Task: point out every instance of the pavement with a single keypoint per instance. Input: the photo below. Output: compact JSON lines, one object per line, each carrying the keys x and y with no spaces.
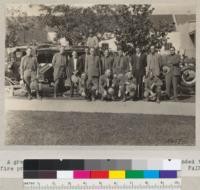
{"x":138,"y":107}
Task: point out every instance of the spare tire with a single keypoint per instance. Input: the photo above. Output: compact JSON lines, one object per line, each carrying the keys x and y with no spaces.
{"x":188,"y":76}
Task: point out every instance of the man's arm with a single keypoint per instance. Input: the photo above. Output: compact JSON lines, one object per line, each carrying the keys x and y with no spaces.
{"x":176,"y":61}
{"x":148,"y":65}
{"x":22,"y":68}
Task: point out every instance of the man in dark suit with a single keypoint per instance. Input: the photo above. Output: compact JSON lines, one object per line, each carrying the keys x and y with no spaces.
{"x":138,"y":64}
{"x":172,"y":77}
{"x":93,"y":71}
{"x":106,"y":61}
{"x":76,"y":68}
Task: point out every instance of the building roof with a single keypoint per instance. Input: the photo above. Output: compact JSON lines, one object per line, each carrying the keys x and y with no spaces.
{"x":181,"y":19}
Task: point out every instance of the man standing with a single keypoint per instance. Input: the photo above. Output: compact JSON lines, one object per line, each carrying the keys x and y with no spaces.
{"x":153,"y":62}
{"x":138,"y":65}
{"x":106,"y":61}
{"x":76,"y":69}
{"x":29,"y":72}
{"x":59,"y":63}
{"x":93,"y":71}
{"x":120,"y":64}
{"x":92,"y":41}
{"x":172,"y":77}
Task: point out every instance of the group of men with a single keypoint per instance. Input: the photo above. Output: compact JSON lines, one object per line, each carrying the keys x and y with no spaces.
{"x":109,"y":77}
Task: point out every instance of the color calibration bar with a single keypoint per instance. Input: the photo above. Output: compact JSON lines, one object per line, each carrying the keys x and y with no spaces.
{"x":111,"y":174}
{"x":102,"y":184}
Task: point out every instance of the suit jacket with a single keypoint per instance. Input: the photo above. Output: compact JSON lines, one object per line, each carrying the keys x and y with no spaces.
{"x":59,"y":63}
{"x":138,"y":70}
{"x":92,"y":66}
{"x":120,"y":65}
{"x":79,"y":66}
{"x":106,"y":63}
{"x":173,"y":61}
{"x":154,"y":63}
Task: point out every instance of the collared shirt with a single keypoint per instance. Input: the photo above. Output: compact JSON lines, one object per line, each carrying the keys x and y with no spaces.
{"x":75,"y":63}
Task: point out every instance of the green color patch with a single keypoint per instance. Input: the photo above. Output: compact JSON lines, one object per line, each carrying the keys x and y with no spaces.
{"x":134,"y":174}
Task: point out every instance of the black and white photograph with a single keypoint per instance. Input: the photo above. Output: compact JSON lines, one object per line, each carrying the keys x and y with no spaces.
{"x":100,"y":74}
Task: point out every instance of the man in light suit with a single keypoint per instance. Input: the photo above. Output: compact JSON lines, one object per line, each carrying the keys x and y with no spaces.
{"x":76,"y":68}
{"x":93,"y":71}
{"x":172,"y":77}
{"x":153,"y":62}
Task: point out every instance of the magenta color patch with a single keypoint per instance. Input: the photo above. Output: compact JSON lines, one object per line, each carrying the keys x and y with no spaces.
{"x":80,"y":174}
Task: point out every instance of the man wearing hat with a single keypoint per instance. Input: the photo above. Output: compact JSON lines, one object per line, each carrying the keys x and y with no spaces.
{"x":92,"y":41}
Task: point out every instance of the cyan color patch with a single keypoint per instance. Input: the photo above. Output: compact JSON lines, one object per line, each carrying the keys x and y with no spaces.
{"x":151,"y":174}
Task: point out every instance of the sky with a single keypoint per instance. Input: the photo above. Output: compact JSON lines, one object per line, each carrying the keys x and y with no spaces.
{"x":159,"y":8}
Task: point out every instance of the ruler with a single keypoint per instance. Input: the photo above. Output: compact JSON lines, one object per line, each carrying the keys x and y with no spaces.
{"x":103,"y":184}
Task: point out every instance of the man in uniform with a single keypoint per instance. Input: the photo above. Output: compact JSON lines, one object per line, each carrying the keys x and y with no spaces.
{"x":93,"y":71}
{"x":106,"y":88}
{"x":29,"y":72}
{"x":61,"y":70}
{"x":172,"y":77}
{"x":152,"y":88}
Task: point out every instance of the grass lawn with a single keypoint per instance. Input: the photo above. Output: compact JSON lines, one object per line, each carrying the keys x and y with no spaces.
{"x":75,"y":128}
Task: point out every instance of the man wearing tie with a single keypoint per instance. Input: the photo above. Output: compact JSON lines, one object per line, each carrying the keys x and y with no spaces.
{"x":138,"y":64}
{"x":76,"y":68}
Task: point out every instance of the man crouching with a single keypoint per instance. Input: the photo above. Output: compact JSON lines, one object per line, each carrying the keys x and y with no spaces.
{"x":106,"y":87}
{"x":129,"y":87}
{"x":152,"y":88}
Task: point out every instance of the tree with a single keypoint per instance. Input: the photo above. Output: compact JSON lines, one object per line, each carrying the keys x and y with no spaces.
{"x":17,"y":22}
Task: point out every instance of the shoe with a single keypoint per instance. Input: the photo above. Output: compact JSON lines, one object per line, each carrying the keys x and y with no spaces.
{"x":158,"y":101}
{"x":29,"y":97}
{"x":38,"y":96}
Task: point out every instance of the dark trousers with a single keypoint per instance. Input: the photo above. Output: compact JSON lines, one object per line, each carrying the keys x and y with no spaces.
{"x":172,"y":82}
{"x":58,"y":86}
{"x":139,"y":84}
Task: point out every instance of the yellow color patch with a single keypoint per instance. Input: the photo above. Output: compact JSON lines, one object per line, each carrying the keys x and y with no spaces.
{"x":116,"y":174}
